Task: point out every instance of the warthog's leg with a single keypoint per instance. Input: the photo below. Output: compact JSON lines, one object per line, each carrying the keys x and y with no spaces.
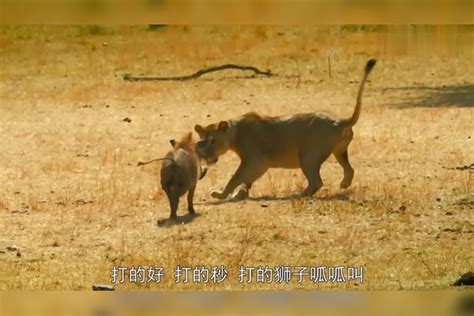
{"x":174,"y":201}
{"x":190,"y":200}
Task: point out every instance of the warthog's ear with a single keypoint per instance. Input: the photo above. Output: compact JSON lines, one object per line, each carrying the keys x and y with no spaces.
{"x":199,"y":129}
{"x":223,"y":126}
{"x":188,"y":138}
{"x":172,"y":142}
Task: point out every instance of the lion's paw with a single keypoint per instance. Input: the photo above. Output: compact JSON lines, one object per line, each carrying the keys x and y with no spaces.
{"x":218,"y":194}
{"x":241,"y":194}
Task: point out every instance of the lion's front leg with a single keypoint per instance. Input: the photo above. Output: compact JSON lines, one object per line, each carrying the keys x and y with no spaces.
{"x":241,"y":194}
{"x":246,"y":174}
{"x":217,"y":194}
{"x":234,"y":182}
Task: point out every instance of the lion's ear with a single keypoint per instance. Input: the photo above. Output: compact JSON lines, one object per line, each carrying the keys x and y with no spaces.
{"x":172,"y":142}
{"x":199,"y":129}
{"x":223,"y":126}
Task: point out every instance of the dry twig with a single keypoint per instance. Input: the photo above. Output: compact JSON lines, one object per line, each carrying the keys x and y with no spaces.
{"x":199,"y":73}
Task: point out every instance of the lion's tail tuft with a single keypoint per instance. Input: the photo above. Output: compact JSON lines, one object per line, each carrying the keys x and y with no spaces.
{"x":355,"y":116}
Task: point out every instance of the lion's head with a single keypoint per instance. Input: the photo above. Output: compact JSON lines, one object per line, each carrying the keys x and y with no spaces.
{"x":215,"y":141}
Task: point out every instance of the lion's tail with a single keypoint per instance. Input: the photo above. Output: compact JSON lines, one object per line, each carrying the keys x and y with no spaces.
{"x":355,"y":116}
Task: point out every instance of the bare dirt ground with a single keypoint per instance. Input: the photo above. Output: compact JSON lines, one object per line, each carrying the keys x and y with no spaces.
{"x":73,"y":203}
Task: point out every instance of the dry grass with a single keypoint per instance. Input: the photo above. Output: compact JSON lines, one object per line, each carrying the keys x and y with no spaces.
{"x":75,"y":204}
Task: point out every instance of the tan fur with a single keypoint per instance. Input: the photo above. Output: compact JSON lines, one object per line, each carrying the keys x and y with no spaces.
{"x":298,"y":141}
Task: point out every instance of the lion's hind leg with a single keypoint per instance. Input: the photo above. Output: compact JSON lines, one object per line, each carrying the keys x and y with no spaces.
{"x":311,"y":166}
{"x":343,"y":159}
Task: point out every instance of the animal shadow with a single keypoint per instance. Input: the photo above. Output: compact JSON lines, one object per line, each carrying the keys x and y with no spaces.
{"x":180,"y":220}
{"x":344,"y":196}
{"x":431,"y":97}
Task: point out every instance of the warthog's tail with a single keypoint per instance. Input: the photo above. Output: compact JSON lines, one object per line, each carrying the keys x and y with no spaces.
{"x":141,"y":163}
{"x":203,"y":171}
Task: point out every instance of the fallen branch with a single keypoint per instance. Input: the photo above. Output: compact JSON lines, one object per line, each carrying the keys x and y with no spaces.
{"x":199,"y":73}
{"x":465,"y":167}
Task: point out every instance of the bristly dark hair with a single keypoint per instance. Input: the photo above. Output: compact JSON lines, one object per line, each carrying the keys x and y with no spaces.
{"x":370,"y":64}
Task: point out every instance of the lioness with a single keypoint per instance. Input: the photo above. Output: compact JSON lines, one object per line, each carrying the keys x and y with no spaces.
{"x":180,"y":171}
{"x":298,"y":141}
